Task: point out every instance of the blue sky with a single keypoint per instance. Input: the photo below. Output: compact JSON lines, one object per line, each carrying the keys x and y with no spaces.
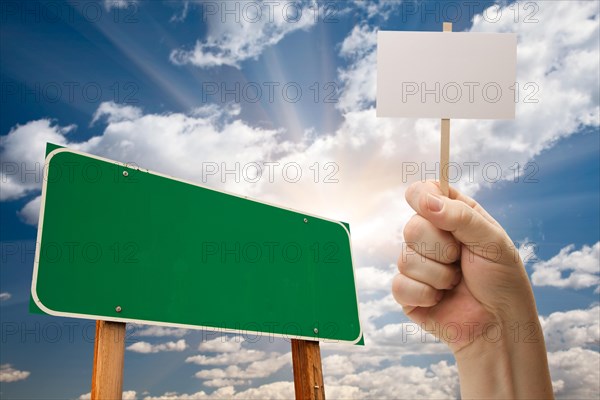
{"x":132,"y":81}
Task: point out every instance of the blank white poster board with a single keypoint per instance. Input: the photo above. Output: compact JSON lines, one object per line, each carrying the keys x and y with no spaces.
{"x":446,"y":75}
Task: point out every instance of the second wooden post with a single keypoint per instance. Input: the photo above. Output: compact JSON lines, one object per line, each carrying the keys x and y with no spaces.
{"x":109,"y":355}
{"x":308,"y":372}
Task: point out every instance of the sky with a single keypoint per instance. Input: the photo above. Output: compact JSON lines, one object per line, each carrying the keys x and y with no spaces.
{"x":182,"y":87}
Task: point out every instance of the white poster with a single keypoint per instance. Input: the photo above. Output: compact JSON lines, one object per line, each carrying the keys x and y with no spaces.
{"x":446,"y":75}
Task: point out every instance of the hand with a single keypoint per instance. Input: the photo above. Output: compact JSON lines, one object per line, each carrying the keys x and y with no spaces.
{"x":459,"y":271}
{"x":461,"y":278}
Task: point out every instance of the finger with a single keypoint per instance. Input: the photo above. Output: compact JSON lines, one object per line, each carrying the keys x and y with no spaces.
{"x":409,"y":292}
{"x":416,"y":189}
{"x":465,"y":223}
{"x":407,"y":310}
{"x":426,"y":239}
{"x":422,"y":269}
{"x":456,"y":195}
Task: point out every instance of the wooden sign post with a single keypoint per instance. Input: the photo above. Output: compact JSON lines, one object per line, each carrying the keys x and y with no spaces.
{"x":109,"y":355}
{"x":308,"y":371}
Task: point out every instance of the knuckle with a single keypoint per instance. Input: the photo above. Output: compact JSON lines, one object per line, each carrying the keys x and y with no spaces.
{"x":427,"y":295}
{"x":413,"y":229}
{"x":397,"y":291}
{"x":451,"y":252}
{"x":465,"y":215}
{"x":446,"y":278}
{"x":403,"y":264}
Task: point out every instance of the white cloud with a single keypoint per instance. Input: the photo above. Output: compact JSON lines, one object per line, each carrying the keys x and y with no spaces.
{"x":127,"y":395}
{"x":373,"y":309}
{"x":224,"y":382}
{"x":185,"y":396}
{"x":409,"y":337}
{"x":116,"y":113}
{"x":242,"y":356}
{"x":230,"y":352}
{"x":222,"y":344}
{"x":344,"y":392}
{"x":170,"y":143}
{"x":110,"y":4}
{"x":439,"y":380}
{"x":557,"y":61}
{"x":373,"y":279}
{"x":4,"y":296}
{"x":337,"y":365}
{"x":573,"y":328}
{"x":527,"y":251}
{"x":159,"y":331}
{"x":22,"y":154}
{"x":275,"y":390}
{"x":182,"y":14}
{"x":377,"y":8}
{"x":575,"y":373}
{"x":258,"y":26}
{"x":359,"y":43}
{"x":145,"y":347}
{"x":30,"y":214}
{"x":9,"y":374}
{"x":570,"y":268}
{"x":360,"y":76}
{"x":256,"y":369}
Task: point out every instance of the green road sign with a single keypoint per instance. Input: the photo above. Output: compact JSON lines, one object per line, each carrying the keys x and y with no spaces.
{"x":125,"y":244}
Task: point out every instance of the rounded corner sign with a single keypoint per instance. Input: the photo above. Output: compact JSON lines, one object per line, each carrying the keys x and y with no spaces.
{"x":125,"y":244}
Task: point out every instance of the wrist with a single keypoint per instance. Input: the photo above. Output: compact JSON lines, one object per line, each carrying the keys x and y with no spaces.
{"x":485,"y":370}
{"x":510,"y":363}
{"x":490,"y":330}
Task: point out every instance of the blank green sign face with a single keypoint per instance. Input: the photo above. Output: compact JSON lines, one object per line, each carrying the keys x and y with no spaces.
{"x":125,"y":244}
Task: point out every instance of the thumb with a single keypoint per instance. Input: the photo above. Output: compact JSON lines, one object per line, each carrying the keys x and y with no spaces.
{"x":465,"y":223}
{"x":456,"y":217}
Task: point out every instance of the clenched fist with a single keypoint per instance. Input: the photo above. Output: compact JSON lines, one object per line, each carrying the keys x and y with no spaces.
{"x":461,"y":278}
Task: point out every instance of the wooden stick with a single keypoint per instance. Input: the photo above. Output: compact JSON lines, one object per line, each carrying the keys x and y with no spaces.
{"x":445,"y":157}
{"x":308,"y":372}
{"x":445,"y":141}
{"x":109,"y":354}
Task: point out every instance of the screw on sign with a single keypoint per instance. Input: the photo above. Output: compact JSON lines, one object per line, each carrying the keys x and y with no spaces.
{"x":292,"y":291}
